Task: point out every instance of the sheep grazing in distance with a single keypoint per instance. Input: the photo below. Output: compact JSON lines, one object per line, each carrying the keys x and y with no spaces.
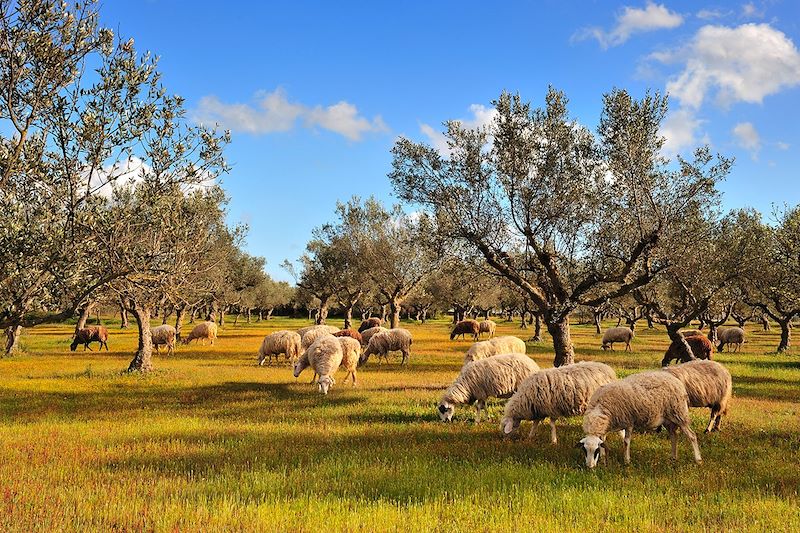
{"x":555,"y":393}
{"x":367,"y":334}
{"x":732,"y":335}
{"x":163,"y":334}
{"x":373,"y":322}
{"x":383,"y":342}
{"x":279,"y":342}
{"x":497,"y":377}
{"x":487,"y":326}
{"x":700,"y":345}
{"x":85,"y":336}
{"x":203,"y":331}
{"x":353,"y":334}
{"x":692,"y":333}
{"x":708,"y":384}
{"x":613,"y":335}
{"x":495,"y":346}
{"x":351,"y":350}
{"x":464,"y":327}
{"x":329,"y":329}
{"x":324,"y":356}
{"x":642,"y":401}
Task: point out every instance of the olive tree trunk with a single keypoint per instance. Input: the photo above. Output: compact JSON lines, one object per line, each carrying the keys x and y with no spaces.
{"x":558,"y":327}
{"x":537,"y":327}
{"x":123,"y":316}
{"x":83,"y":317}
{"x":394,"y":308}
{"x":180,"y":312}
{"x":13,"y":334}
{"x":348,"y":317}
{"x":142,"y":361}
{"x":786,"y":335}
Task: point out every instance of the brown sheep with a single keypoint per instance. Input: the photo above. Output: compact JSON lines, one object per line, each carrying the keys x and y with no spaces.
{"x":700,"y":345}
{"x":353,"y":334}
{"x":373,"y":322}
{"x":88,"y":335}
{"x":466,"y":326}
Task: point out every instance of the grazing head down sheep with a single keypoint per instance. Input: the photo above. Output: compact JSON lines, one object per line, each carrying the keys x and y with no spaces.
{"x":393,"y":340}
{"x":163,"y":334}
{"x":700,"y":345}
{"x":465,"y":327}
{"x":203,"y":331}
{"x":495,"y":346}
{"x":367,"y":334}
{"x":98,"y":334}
{"x":498,"y":377}
{"x":279,"y":342}
{"x":487,"y":326}
{"x":732,"y":335}
{"x":353,"y":334}
{"x":373,"y":322}
{"x":708,"y":384}
{"x":643,"y":401}
{"x":555,"y":393}
{"x":324,"y":356}
{"x":311,"y":337}
{"x":613,"y":335}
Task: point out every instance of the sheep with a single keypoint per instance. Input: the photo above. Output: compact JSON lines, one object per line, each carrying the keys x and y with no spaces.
{"x":487,"y":326}
{"x":732,"y":335}
{"x":324,"y":356}
{"x":351,"y":350}
{"x":498,"y":345}
{"x":203,"y":330}
{"x":643,"y":401}
{"x":613,"y":335}
{"x":163,"y":334}
{"x":88,"y":335}
{"x":393,"y":340}
{"x":700,"y":345}
{"x":330,"y":329}
{"x":373,"y":322}
{"x":349,"y":333}
{"x":466,"y":326}
{"x":708,"y":384}
{"x":555,"y":393}
{"x":279,"y":342}
{"x":367,"y":334}
{"x":691,"y":332}
{"x":498,"y":376}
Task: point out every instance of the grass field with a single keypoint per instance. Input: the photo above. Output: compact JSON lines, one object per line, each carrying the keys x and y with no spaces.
{"x":209,"y":441}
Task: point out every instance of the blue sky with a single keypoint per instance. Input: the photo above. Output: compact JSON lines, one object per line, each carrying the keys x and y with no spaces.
{"x":316,"y":92}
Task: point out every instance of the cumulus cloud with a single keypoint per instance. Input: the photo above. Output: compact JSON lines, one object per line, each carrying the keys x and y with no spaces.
{"x":482,"y":117}
{"x":747,"y":137}
{"x":742,"y":64}
{"x":273,"y":112}
{"x":630,"y":21}
{"x":680,"y":129}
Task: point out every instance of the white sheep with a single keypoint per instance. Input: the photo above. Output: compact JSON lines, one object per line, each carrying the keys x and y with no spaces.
{"x":351,"y":350}
{"x":487,"y":326}
{"x":329,"y":329}
{"x":163,"y":334}
{"x":203,"y":331}
{"x":324,"y":356}
{"x":383,"y":342}
{"x":279,"y":342}
{"x":555,"y":393}
{"x":498,"y":377}
{"x":730,"y":335}
{"x":708,"y":384}
{"x":643,"y":401}
{"x":367,"y":334}
{"x":613,"y":335}
{"x":497,"y":345}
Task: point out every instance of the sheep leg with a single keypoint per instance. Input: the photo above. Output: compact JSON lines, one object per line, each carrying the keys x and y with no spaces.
{"x":693,"y":440}
{"x":714,"y":417}
{"x":106,"y":345}
{"x":479,"y":405}
{"x":553,"y":436}
{"x":673,"y":440}
{"x":85,"y":346}
{"x":628,"y":347}
{"x":353,"y":373}
{"x":719,"y":419}
{"x":627,"y":445}
{"x":531,"y":433}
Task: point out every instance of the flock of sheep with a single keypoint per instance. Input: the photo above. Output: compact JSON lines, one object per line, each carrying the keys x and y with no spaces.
{"x":164,"y":335}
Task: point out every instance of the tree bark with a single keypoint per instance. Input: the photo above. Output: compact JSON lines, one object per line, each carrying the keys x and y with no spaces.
{"x":13,"y":334}
{"x":269,"y":313}
{"x":562,"y":342}
{"x":597,"y":317}
{"x":180,"y":312}
{"x":786,"y":335}
{"x":394,"y":307}
{"x":83,"y":317}
{"x":537,"y":327}
{"x":765,"y":323}
{"x":123,"y":316}
{"x":192,"y":314}
{"x":675,"y":336}
{"x":236,"y":320}
{"x":322,"y":313}
{"x":142,"y":361}
{"x":649,"y":322}
{"x":348,"y":317}
{"x":248,"y":315}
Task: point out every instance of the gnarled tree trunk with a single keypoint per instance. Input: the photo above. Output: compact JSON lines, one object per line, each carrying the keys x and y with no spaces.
{"x":180,"y":312}
{"x":348,"y":317}
{"x":558,"y":327}
{"x":123,"y":316}
{"x":394,"y":307}
{"x":786,"y":335}
{"x":13,"y":334}
{"x":142,"y":361}
{"x":537,"y":327}
{"x":83,"y":317}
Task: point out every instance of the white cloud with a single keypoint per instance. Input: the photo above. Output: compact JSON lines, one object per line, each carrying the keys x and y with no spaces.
{"x":742,"y":64}
{"x":273,"y":112}
{"x":750,"y":10}
{"x":482,"y":117}
{"x":633,"y":20}
{"x":782,"y":145}
{"x":118,"y":174}
{"x":680,"y":129}
{"x":747,"y":137}
{"x":709,"y":14}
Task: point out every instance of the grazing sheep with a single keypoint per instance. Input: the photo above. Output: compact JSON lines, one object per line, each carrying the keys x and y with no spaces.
{"x":88,"y":335}
{"x":708,"y":384}
{"x":349,"y":333}
{"x":280,"y":342}
{"x":498,"y":376}
{"x":351,"y":350}
{"x":393,"y":340}
{"x":555,"y":393}
{"x":367,"y":334}
{"x":498,"y":345}
{"x":330,"y":329}
{"x":324,"y":356}
{"x":203,"y":330}
{"x":487,"y":326}
{"x":312,"y":335}
{"x":464,"y":327}
{"x":164,"y":334}
{"x":373,"y":322}
{"x":691,"y":332}
{"x":732,"y":335}
{"x":700,"y":345}
{"x":642,"y":401}
{"x":613,"y":335}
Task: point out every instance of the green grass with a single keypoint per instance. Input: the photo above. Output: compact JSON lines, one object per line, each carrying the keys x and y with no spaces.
{"x":209,"y":441}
